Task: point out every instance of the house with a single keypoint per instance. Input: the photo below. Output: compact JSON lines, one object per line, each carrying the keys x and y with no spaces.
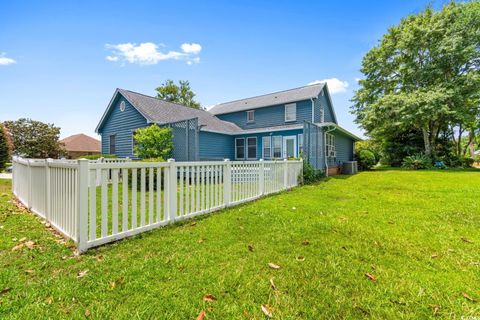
{"x":286,"y":124}
{"x":80,"y":145}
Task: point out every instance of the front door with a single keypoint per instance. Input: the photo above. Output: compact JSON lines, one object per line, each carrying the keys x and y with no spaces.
{"x":290,"y":147}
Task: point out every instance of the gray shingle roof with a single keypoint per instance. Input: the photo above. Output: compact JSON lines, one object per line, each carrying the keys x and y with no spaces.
{"x":163,"y":112}
{"x":291,"y":95}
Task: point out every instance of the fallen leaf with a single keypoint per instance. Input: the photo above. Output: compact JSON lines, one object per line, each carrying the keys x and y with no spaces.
{"x":241,"y":227}
{"x":266,"y":310}
{"x":434,"y":307}
{"x":433,"y":256}
{"x":87,"y":313}
{"x":76,"y":253}
{"x":272,"y":284}
{"x":469,"y":298}
{"x":99,"y":258}
{"x":113,"y":285}
{"x":201,"y":316}
{"x":49,"y":300}
{"x":29,"y":271}
{"x":5,"y":290}
{"x":251,"y":248}
{"x":209,"y":298}
{"x":370,"y":276}
{"x":293,"y":208}
{"x":17,"y":247}
{"x":467,"y":240}
{"x":201,"y":240}
{"x":22,"y":239}
{"x":82,"y":274}
{"x":300,"y":258}
{"x":273,"y":266}
{"x":30,"y":244}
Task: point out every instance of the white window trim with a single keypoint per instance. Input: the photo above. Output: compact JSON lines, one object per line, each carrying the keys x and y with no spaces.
{"x":244,"y":145}
{"x":298,"y":143}
{"x":294,"y":105}
{"x":252,"y":112}
{"x":264,"y":156}
{"x":285,"y":138}
{"x":330,"y":145}
{"x":281,"y":148}
{"x":246,"y":148}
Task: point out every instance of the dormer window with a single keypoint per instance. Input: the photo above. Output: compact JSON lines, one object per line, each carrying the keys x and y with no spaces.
{"x":290,"y":112}
{"x":250,"y":116}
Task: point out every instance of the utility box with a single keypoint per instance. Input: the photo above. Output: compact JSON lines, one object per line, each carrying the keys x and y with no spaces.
{"x":350,"y":167}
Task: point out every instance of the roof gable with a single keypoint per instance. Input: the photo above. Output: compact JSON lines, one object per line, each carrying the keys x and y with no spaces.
{"x":271,"y":99}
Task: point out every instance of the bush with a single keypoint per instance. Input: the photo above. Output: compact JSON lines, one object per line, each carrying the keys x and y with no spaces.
{"x":366,"y":159}
{"x":455,"y":161}
{"x":153,"y":142}
{"x":417,"y":162}
{"x":310,"y":174}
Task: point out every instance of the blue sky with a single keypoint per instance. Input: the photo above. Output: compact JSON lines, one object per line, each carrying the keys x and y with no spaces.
{"x":60,"y":61}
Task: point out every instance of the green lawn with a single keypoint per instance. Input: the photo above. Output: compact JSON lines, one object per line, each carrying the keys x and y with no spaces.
{"x":416,"y":233}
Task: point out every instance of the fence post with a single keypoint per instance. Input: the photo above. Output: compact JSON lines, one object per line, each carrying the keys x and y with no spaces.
{"x":227,"y":182}
{"x":47,"y":189}
{"x":172,"y":190}
{"x":261,"y":178}
{"x":285,"y":174}
{"x":29,"y":191}
{"x":82,"y":209}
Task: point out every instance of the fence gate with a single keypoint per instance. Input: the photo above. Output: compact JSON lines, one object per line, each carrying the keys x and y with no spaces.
{"x":185,"y":140}
{"x":313,"y":145}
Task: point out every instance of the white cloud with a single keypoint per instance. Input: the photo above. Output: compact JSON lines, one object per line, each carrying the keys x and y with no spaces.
{"x":148,"y":53}
{"x":4,"y":61}
{"x":194,"y":48}
{"x":334,"y":85}
{"x":357,"y":79}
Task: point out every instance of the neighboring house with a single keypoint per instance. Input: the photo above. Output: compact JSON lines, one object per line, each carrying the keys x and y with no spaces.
{"x":81,"y":145}
{"x":287,"y":124}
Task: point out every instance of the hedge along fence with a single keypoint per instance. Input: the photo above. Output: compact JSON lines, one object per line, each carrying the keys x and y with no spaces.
{"x":94,"y":203}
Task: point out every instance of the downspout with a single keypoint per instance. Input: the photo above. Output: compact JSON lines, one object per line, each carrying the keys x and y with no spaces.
{"x":325,"y":149}
{"x":313,"y":109}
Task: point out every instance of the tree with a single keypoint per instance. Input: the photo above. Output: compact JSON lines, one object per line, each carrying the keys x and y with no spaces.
{"x":154,"y":142}
{"x":181,"y":93}
{"x":4,"y":148}
{"x":424,"y":75}
{"x":34,"y":139}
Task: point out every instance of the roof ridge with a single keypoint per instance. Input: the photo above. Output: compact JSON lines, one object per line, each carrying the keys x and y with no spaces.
{"x":267,"y":94}
{"x":170,"y":102}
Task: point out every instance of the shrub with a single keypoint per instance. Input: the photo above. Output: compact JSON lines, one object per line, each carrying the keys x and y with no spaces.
{"x":455,"y":161}
{"x":153,"y":142}
{"x":310,"y":174}
{"x":366,"y":159}
{"x":417,"y":161}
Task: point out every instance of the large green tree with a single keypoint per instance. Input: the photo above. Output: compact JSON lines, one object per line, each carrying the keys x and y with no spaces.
{"x":423,"y":75}
{"x":34,"y":139}
{"x":4,"y":148}
{"x":181,"y":93}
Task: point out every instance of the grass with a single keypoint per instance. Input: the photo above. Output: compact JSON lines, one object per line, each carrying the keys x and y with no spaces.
{"x":415,"y":232}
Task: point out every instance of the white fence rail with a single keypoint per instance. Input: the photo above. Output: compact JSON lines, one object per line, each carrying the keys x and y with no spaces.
{"x":94,"y":203}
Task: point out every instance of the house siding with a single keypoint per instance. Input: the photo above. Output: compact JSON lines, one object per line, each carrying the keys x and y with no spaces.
{"x":343,"y":147}
{"x":122,"y":124}
{"x":270,"y":116}
{"x":216,"y":146}
{"x":324,"y":102}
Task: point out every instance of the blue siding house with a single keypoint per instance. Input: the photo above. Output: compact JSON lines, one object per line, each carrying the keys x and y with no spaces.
{"x":294,"y":123}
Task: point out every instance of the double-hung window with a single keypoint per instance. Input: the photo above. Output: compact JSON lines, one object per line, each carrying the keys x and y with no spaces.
{"x":330,"y":146}
{"x":277,"y":146}
{"x":240,"y":148}
{"x":112,"y":144}
{"x":251,"y":116}
{"x":267,"y":147}
{"x":290,"y":112}
{"x":252,"y":148}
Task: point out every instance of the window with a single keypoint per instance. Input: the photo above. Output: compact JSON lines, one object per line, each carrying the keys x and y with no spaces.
{"x":240,"y":148}
{"x":267,"y":147}
{"x":252,"y":148}
{"x":250,"y":116}
{"x":122,"y":106}
{"x":330,"y":146}
{"x":290,"y":112}
{"x":277,"y":146}
{"x":300,"y":145}
{"x":113,"y":144}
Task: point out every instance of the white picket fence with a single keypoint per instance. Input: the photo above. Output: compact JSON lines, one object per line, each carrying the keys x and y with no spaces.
{"x":94,"y":203}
